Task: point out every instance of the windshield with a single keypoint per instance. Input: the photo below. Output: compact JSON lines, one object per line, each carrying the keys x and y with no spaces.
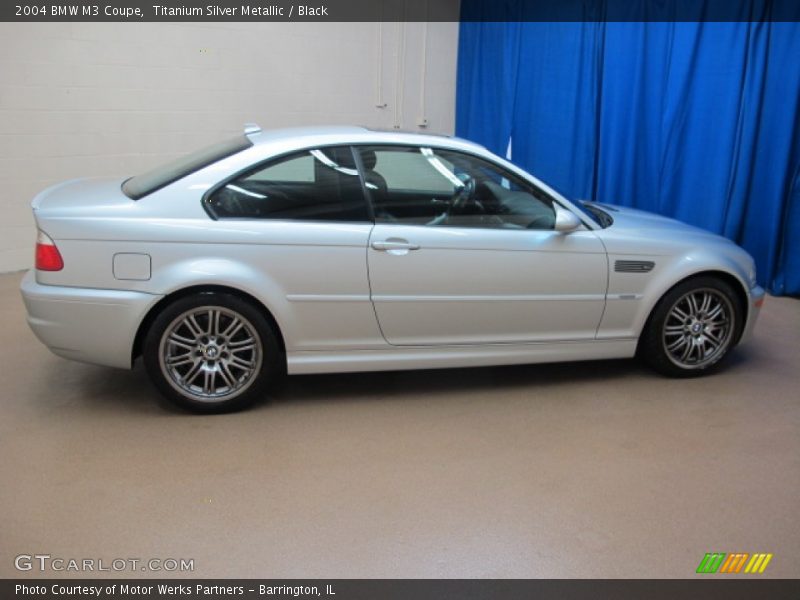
{"x":147,"y":183}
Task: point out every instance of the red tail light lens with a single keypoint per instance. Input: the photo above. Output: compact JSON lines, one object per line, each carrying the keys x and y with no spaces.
{"x":48,"y":258}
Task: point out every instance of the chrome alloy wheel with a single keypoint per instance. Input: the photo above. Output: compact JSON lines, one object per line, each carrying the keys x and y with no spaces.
{"x":210,"y":353}
{"x":698,"y":328}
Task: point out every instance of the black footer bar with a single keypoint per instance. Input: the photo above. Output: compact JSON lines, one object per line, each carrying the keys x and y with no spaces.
{"x":397,"y":589}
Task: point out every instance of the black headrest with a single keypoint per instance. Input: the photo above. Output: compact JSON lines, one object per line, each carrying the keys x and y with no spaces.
{"x":342,"y":156}
{"x":369,"y":159}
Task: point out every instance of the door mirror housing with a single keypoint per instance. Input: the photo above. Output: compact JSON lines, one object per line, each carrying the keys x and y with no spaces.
{"x":566,"y":221}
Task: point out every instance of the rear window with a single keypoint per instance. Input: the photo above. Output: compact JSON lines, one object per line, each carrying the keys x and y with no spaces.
{"x":147,"y":183}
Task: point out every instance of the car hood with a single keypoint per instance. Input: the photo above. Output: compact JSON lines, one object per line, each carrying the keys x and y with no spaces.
{"x":638,"y":231}
{"x":633,"y":218}
{"x":646,"y":224}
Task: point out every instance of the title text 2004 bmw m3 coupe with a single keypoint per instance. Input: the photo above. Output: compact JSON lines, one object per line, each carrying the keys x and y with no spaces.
{"x":346,"y":249}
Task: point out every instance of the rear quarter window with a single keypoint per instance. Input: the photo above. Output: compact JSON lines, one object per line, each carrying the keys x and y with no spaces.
{"x":311,"y":185}
{"x":147,"y":183}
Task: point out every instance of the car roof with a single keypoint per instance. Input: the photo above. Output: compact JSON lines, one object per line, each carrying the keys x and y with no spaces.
{"x":353,"y":134}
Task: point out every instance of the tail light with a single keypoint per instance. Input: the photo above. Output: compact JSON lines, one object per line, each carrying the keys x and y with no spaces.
{"x":48,"y":258}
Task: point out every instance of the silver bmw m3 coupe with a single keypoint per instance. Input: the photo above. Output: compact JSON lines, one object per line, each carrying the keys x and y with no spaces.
{"x":346,"y":249}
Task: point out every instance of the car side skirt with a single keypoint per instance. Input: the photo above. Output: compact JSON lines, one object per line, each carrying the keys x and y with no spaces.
{"x":443,"y":357}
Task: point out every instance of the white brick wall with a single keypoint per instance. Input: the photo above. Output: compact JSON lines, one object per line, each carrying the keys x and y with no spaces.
{"x":86,"y":99}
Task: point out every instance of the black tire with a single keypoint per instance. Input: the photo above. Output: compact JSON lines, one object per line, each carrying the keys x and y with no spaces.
{"x":188,"y":341}
{"x":697,"y":344}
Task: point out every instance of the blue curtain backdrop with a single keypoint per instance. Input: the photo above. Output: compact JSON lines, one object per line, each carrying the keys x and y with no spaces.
{"x":695,"y":120}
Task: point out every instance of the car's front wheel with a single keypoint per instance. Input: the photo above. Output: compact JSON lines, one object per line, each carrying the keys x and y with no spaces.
{"x":212,"y":352}
{"x":692,"y":328}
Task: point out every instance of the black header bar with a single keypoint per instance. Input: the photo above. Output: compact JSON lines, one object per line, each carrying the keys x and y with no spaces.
{"x":398,"y":10}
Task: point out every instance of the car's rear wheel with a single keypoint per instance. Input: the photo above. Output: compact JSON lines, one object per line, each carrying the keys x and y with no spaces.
{"x":692,"y":328}
{"x":212,"y":352}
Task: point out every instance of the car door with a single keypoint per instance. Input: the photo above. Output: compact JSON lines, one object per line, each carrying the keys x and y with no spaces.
{"x":301,"y":223}
{"x":464,"y":252}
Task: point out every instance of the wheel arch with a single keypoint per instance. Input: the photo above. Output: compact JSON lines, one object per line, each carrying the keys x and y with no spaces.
{"x":192,"y":290}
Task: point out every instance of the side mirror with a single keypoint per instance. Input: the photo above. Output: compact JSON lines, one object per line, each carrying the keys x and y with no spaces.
{"x":566,"y":221}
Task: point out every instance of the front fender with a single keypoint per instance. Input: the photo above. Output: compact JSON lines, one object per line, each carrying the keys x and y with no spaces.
{"x":632,"y":297}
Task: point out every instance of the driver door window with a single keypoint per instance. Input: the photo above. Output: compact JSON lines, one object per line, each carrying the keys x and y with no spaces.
{"x":426,"y":186}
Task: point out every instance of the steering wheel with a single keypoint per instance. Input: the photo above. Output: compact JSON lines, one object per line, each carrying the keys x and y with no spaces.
{"x":466,"y":198}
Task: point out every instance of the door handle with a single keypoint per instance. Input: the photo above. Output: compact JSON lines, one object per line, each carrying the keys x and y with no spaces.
{"x":388,"y":245}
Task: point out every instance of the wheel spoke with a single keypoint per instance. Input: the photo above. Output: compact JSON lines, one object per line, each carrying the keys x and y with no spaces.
{"x":180,"y":360}
{"x":715,"y":312}
{"x":247,"y":348}
{"x":209,"y":381}
{"x":693,"y":309}
{"x":180,"y":338}
{"x":707,"y":299}
{"x":226,"y":374}
{"x":711,"y":344}
{"x":213,"y":320}
{"x":239,"y":363}
{"x":243,"y":342}
{"x":233,"y":328}
{"x":721,"y":321}
{"x":192,"y":374}
{"x":680,"y":314}
{"x":181,"y":342}
{"x":194,"y":326}
{"x":715,"y":341}
{"x":687,"y":351}
{"x":677,"y":344}
{"x":721,"y":327}
{"x":210,"y":323}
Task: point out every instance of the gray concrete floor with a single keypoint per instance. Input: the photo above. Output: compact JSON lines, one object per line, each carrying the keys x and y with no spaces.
{"x":570,"y":470}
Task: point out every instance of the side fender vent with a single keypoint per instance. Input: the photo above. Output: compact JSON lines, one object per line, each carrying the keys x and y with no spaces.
{"x":634,"y":266}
